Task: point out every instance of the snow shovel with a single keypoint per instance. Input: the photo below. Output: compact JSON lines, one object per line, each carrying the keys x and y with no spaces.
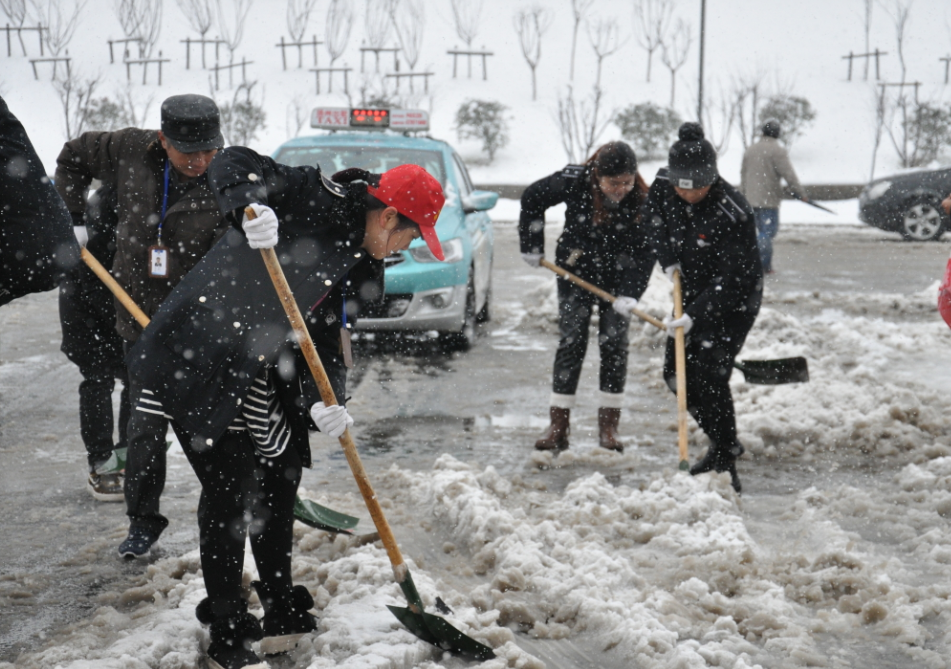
{"x":428,"y":627}
{"x":758,"y":372}
{"x":680,"y":363}
{"x":814,"y":204}
{"x":308,"y":512}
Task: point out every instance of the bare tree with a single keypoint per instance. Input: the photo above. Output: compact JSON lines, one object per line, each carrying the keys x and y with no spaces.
{"x":674,"y":53}
{"x":531,"y":24}
{"x":581,"y":123}
{"x":75,"y":97}
{"x":652,"y":18}
{"x":60,"y":18}
{"x":231,"y":17}
{"x":376,"y":24}
{"x":297,"y":114}
{"x":242,"y":117}
{"x":719,"y":115}
{"x":409,"y":21}
{"x":200,"y":15}
{"x":604,"y":39}
{"x":298,"y":16}
{"x":903,"y":106}
{"x":150,"y":25}
{"x":579,"y":10}
{"x":16,"y":11}
{"x":867,"y":29}
{"x":745,"y":95}
{"x":339,"y":25}
{"x":466,"y":15}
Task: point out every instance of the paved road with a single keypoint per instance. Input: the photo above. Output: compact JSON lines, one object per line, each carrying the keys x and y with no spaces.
{"x":57,"y":554}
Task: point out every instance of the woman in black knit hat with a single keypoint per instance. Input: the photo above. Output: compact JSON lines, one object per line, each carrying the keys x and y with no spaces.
{"x":704,"y":227}
{"x":603,"y":242}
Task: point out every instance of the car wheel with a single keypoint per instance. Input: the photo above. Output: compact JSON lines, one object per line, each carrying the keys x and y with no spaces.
{"x":485,"y":313}
{"x":922,"y":221}
{"x":464,"y":338}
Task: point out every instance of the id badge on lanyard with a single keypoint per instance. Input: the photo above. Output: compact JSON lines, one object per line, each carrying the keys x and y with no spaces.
{"x":158,"y":252}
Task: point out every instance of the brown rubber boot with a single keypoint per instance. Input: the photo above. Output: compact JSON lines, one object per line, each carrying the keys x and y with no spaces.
{"x":608,"y":420}
{"x":555,"y":437}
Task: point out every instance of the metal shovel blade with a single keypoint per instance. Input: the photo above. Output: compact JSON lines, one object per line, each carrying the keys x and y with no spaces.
{"x":322,"y":518}
{"x":440,"y":633}
{"x":774,"y":372}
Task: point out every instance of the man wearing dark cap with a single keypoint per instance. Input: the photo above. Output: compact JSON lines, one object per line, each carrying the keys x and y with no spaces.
{"x":765,"y":164}
{"x":168,"y":220}
{"x":703,"y":227}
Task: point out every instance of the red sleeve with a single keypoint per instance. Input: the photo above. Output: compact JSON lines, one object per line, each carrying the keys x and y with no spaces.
{"x":944,"y":295}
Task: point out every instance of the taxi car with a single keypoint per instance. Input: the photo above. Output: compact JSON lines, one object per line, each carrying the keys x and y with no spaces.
{"x":421,"y":294}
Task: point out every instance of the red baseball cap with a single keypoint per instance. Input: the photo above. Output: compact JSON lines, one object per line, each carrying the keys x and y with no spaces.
{"x":417,"y":195}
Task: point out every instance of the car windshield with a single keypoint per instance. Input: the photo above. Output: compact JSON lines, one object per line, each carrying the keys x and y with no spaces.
{"x":377,"y":159}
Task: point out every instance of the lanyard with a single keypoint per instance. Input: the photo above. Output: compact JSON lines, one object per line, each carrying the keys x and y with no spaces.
{"x":343,"y":309}
{"x":164,"y":204}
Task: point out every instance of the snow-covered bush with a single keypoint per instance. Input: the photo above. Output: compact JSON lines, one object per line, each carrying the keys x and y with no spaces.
{"x":794,"y":114}
{"x":483,"y":120}
{"x":649,"y":128}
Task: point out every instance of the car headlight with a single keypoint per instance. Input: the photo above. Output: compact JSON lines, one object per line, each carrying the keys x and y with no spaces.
{"x":451,"y":249}
{"x":878,"y":190}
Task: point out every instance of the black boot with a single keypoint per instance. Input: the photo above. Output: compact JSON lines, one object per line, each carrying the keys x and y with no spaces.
{"x":555,"y":437}
{"x":721,"y":460}
{"x":231,"y":640}
{"x":608,"y":420}
{"x":287,"y":617}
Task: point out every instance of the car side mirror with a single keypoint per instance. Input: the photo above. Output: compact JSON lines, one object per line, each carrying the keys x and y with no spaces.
{"x":479,"y":200}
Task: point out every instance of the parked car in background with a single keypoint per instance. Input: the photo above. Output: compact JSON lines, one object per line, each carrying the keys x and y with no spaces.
{"x":908,"y":203}
{"x":422,"y":294}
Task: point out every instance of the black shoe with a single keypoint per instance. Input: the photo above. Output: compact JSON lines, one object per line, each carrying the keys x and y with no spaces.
{"x":735,"y":479}
{"x":720,"y":461}
{"x":287,"y":617}
{"x":138,"y":543}
{"x":231,"y":640}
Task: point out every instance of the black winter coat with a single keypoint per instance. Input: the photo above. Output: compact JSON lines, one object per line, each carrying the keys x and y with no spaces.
{"x":715,"y":243}
{"x":224,"y":322}
{"x":37,"y":244}
{"x":615,"y":256}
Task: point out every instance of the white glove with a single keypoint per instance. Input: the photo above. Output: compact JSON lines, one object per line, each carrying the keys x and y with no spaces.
{"x":669,"y":271}
{"x":533,"y":259}
{"x":685,"y":321}
{"x":261,"y":231}
{"x":331,"y":420}
{"x":82,"y":235}
{"x":623,"y":305}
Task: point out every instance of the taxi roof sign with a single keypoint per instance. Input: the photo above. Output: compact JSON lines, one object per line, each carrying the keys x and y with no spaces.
{"x":345,"y":118}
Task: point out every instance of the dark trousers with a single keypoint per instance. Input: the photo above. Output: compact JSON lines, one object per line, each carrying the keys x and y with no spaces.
{"x":767,"y":227}
{"x":710,"y":356}
{"x":145,"y":463}
{"x":575,"y":305}
{"x":243,"y":492}
{"x":88,"y":321}
{"x":96,"y":414}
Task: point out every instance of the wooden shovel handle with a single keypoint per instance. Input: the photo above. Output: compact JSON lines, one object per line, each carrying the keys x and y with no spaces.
{"x":327,"y":395}
{"x":603,"y":294}
{"x":680,"y":358}
{"x":114,"y":286}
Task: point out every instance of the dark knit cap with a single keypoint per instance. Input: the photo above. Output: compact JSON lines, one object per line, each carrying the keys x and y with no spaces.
{"x":615,"y":158}
{"x":692,"y":162}
{"x":771,"y":128}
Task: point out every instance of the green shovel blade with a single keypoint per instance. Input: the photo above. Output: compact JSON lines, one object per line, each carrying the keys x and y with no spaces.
{"x":438,"y":632}
{"x":320,"y":517}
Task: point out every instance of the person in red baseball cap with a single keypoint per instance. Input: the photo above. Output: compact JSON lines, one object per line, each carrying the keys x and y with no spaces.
{"x":245,"y":404}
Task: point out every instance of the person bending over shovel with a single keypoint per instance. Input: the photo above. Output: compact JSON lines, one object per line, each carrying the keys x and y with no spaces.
{"x":603,"y":242}
{"x":217,"y":359}
{"x":702,"y":226}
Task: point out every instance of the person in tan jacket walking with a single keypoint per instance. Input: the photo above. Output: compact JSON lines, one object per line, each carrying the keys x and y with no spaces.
{"x":168,"y":219}
{"x":765,"y":165}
